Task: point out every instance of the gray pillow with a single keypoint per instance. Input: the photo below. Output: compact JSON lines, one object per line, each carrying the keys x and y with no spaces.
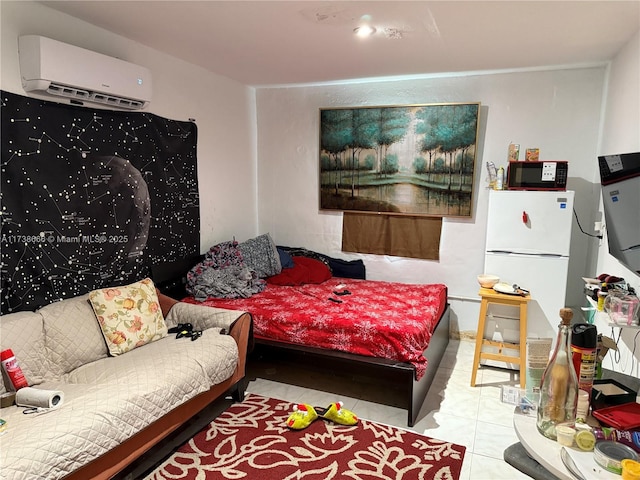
{"x":261,"y":255}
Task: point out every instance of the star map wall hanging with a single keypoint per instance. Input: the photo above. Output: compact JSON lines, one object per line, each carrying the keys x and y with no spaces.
{"x":90,"y":198}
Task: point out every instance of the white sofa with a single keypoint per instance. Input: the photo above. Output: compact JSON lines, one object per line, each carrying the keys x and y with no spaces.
{"x":114,"y":408}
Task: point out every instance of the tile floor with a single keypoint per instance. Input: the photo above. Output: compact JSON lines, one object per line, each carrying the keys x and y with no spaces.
{"x":453,"y":410}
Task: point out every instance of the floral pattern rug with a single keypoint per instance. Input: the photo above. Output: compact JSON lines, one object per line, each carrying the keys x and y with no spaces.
{"x":250,"y":441}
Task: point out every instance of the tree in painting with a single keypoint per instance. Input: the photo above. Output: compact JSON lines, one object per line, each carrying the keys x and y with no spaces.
{"x":415,"y":160}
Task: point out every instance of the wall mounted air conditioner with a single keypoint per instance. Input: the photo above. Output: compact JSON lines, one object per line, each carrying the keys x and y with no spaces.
{"x":55,"y":68}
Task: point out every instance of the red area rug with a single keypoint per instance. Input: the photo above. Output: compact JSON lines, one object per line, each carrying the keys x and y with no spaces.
{"x":250,"y":441}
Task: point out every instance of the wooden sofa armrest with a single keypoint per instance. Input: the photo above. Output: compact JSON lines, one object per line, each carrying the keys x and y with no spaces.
{"x":242,"y":333}
{"x":165,"y":302}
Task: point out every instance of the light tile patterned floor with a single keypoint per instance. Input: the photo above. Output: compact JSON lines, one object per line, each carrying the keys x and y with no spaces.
{"x":453,"y":411}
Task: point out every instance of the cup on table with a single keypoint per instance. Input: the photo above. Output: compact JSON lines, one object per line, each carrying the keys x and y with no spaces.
{"x":565,"y":434}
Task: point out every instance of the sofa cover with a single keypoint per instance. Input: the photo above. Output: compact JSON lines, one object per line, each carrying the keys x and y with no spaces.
{"x":106,"y":399}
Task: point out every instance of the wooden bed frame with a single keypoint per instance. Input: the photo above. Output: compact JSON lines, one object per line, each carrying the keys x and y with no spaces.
{"x":401,"y":375}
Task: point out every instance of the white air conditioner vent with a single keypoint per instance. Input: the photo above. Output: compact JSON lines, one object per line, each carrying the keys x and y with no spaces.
{"x":54,"y":68}
{"x":116,"y":101}
{"x":65,"y":91}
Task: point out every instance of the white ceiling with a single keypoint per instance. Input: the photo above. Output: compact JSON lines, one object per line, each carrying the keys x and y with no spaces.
{"x":261,"y":43}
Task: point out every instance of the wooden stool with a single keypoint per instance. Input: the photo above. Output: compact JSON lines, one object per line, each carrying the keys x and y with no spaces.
{"x":488,"y":296}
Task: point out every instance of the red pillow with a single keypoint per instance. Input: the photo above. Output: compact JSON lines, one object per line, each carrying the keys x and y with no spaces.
{"x":305,"y":270}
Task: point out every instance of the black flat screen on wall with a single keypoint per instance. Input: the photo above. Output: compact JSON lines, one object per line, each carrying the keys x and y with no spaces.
{"x":91,"y":198}
{"x":620,"y":179}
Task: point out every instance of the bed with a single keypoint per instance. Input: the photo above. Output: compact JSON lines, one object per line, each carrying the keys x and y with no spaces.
{"x":395,"y":333}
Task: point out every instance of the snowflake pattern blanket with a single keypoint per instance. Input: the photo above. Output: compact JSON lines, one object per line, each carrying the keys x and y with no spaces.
{"x":377,"y":319}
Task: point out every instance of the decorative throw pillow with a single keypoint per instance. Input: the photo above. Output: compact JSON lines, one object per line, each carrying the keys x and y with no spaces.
{"x":347,"y":268}
{"x":129,"y":316}
{"x":285,"y":259}
{"x":306,"y":270}
{"x":261,"y":255}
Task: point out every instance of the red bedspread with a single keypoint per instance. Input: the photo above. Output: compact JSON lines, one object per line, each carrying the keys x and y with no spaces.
{"x":378,"y":319}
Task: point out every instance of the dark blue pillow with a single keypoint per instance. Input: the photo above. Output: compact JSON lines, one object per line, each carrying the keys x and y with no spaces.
{"x":286,"y":260}
{"x":347,"y":268}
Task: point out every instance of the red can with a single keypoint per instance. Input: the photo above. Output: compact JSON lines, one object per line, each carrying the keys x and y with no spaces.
{"x":14,"y":372}
{"x":584,"y":342}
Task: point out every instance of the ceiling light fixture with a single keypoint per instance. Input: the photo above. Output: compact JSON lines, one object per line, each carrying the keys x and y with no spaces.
{"x":364,"y":31}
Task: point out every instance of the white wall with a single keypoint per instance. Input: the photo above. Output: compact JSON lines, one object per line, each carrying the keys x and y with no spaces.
{"x":224,"y":111}
{"x":621,"y":134}
{"x":558,"y":111}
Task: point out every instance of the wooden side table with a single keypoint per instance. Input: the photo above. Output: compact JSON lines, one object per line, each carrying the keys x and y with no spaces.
{"x":488,"y":296}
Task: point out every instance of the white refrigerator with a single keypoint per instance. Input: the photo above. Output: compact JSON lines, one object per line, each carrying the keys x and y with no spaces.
{"x":527,"y":244}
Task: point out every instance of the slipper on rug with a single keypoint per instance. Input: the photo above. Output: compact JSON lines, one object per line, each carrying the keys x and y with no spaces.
{"x":303,"y":415}
{"x":336,"y":413}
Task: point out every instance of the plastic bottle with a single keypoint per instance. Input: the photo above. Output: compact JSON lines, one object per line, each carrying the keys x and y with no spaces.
{"x":491,"y":170}
{"x":559,"y":385}
{"x":582,"y":407}
{"x":602,"y":294}
{"x":13,"y":370}
{"x":500,"y":179}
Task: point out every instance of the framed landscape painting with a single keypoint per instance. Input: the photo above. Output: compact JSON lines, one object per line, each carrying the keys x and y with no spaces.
{"x":401,"y":160}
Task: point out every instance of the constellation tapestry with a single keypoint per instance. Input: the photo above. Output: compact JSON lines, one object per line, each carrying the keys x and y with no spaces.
{"x":91,"y":198}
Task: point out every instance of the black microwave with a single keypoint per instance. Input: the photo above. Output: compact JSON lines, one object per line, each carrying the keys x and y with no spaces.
{"x":543,"y":175}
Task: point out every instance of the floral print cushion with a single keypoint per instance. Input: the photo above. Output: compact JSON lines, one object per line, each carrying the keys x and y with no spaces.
{"x":129,"y":316}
